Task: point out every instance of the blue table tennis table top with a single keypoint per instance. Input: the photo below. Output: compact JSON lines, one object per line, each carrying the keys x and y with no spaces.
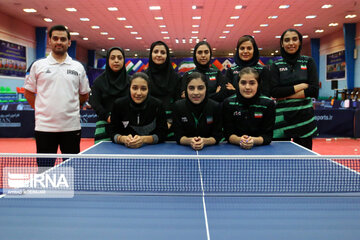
{"x":275,"y":148}
{"x":111,"y":216}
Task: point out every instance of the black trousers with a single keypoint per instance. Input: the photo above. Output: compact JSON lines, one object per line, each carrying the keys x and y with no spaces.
{"x":48,"y":142}
{"x":305,"y":142}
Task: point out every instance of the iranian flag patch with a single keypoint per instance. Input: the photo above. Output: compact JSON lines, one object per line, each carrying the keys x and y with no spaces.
{"x":212,"y":78}
{"x":258,"y":115}
{"x":303,"y":67}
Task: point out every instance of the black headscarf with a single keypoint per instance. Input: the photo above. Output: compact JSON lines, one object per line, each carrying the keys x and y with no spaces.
{"x":162,"y":76}
{"x":114,"y":82}
{"x":196,"y":109}
{"x":248,"y":101}
{"x":256,"y":56}
{"x":140,"y":106}
{"x":290,"y":58}
{"x":202,"y":68}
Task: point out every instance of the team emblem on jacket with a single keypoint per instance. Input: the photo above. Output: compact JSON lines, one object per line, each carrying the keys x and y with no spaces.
{"x":209,"y":120}
{"x":283,"y":69}
{"x":237,"y":113}
{"x":212,"y":78}
{"x":184,"y":119}
{"x":258,"y":115}
{"x":125,"y":123}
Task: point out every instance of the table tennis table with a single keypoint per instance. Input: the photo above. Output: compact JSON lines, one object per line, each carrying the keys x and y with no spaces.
{"x":161,"y":214}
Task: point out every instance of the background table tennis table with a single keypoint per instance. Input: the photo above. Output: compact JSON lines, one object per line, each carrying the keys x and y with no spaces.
{"x":111,"y":216}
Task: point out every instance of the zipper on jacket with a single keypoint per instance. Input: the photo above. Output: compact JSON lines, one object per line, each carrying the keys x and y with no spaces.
{"x":138,"y":119}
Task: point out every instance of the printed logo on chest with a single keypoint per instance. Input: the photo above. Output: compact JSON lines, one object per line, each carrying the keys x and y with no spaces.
{"x":72,"y":72}
{"x":125,"y":123}
{"x":258,"y":115}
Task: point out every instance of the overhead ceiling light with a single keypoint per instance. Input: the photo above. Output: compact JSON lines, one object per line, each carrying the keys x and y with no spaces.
{"x":194,"y":37}
{"x":298,"y":25}
{"x":235,"y":17}
{"x":226,"y":31}
{"x":238,"y":7}
{"x":166,"y":37}
{"x":204,"y":39}
{"x":155,"y":8}
{"x":135,"y":55}
{"x":197,"y":40}
{"x":351,"y":16}
{"x":121,"y":18}
{"x":195,"y":26}
{"x":229,"y":25}
{"x":162,"y":26}
{"x":133,"y":32}
{"x":84,"y":19}
{"x":128,"y":26}
{"x":327,"y":6}
{"x":256,"y":31}
{"x":231,"y":54}
{"x":95,"y":27}
{"x":103,"y":50}
{"x":164,"y":32}
{"x":305,"y":36}
{"x":190,"y":40}
{"x":264,"y":25}
{"x":183,"y":40}
{"x":71,"y":9}
{"x":272,"y":54}
{"x":310,"y":17}
{"x":333,"y":24}
{"x":196,"y":17}
{"x":104,"y":33}
{"x":127,"y":49}
{"x":176,"y":40}
{"x":260,"y":48}
{"x":112,"y":9}
{"x":29,"y":10}
{"x":214,"y":49}
{"x":222,"y":37}
{"x":74,"y":33}
{"x":195,"y":32}
{"x":193,"y":7}
{"x":138,"y":38}
{"x":85,"y":38}
{"x":111,"y":38}
{"x":277,"y":36}
{"x":158,"y":18}
{"x":272,"y":17}
{"x":319,"y":30}
{"x":284,"y":6}
{"x":48,"y":20}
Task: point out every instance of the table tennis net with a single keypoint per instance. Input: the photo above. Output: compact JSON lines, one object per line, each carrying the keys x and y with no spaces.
{"x":202,"y":174}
